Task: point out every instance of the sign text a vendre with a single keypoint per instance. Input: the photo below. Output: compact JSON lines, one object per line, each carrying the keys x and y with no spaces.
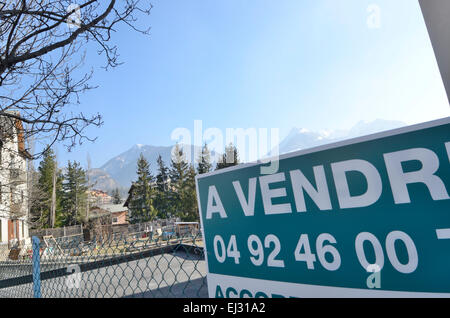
{"x":332,"y":216}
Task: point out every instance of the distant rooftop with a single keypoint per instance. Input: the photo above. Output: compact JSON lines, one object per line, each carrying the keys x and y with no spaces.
{"x":113,"y":208}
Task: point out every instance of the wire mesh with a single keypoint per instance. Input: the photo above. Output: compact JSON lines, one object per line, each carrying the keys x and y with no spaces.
{"x":140,"y":264}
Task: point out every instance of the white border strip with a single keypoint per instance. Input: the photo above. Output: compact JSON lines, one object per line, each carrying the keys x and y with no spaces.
{"x":203,"y":231}
{"x":387,"y":133}
{"x":304,"y":291}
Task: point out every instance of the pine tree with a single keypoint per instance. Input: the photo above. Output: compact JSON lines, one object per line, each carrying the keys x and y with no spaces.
{"x":182,"y":191}
{"x":141,"y":204}
{"x":162,"y":178}
{"x":189,"y":211}
{"x":41,"y":204}
{"x":74,"y":194}
{"x":178,"y":167}
{"x":116,"y":199}
{"x":162,"y":188}
{"x":204,"y":161}
{"x":178,"y":174}
{"x":229,"y":158}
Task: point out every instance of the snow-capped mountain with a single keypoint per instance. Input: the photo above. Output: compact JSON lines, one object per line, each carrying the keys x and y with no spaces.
{"x":301,"y":138}
{"x":363,"y":128}
{"x":120,"y":171}
{"x":122,"y":168}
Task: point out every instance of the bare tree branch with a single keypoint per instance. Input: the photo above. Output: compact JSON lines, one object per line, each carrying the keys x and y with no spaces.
{"x":41,"y":53}
{"x":43,"y":45}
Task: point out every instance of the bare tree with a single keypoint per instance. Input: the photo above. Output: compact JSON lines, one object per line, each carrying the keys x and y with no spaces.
{"x":42,"y":46}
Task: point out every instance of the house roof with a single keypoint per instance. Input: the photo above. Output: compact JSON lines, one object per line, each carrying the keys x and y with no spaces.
{"x":130,"y":192}
{"x":10,"y":126}
{"x":6,"y":127}
{"x":113,"y":208}
{"x":97,"y":213}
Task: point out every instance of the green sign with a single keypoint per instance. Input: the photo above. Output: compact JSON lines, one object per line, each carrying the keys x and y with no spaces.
{"x":366,"y":217}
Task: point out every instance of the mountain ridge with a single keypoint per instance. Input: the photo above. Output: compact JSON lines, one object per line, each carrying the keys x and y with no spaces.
{"x":120,"y":170}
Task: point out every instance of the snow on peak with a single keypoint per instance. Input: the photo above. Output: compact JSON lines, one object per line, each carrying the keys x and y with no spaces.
{"x":301,"y":138}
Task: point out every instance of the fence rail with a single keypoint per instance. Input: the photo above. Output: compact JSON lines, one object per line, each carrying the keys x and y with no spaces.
{"x":59,"y":231}
{"x":110,"y":229}
{"x":131,"y":265}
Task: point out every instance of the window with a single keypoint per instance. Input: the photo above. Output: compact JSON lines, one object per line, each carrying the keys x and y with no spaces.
{"x":13,"y":196}
{"x":115,"y":220}
{"x":23,"y":229}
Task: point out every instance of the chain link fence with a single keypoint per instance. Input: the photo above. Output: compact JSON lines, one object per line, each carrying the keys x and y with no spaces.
{"x":164,"y":263}
{"x":58,"y":232}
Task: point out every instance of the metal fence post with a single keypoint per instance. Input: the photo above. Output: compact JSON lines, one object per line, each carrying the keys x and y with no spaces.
{"x":36,"y":268}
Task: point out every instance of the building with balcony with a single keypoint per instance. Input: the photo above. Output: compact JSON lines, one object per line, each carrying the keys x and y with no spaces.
{"x":13,"y":181}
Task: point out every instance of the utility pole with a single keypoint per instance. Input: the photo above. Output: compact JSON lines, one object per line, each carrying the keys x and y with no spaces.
{"x":88,"y":187}
{"x":53,"y":207}
{"x":436,"y":14}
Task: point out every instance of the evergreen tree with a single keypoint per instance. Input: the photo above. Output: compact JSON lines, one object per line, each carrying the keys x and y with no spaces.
{"x":162,"y":178}
{"x":204,"y":161}
{"x":141,"y":204}
{"x":178,"y":167}
{"x":162,"y":188}
{"x":182,"y":195}
{"x":189,"y":210}
{"x":74,"y":194}
{"x":41,"y":205}
{"x":178,"y":174}
{"x":116,"y":199}
{"x":229,"y":158}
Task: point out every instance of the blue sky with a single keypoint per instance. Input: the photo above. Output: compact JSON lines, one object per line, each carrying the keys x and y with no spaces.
{"x":263,"y":64}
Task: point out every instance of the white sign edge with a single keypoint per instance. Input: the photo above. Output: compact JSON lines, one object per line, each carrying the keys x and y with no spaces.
{"x":342,"y":143}
{"x":288,"y":289}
